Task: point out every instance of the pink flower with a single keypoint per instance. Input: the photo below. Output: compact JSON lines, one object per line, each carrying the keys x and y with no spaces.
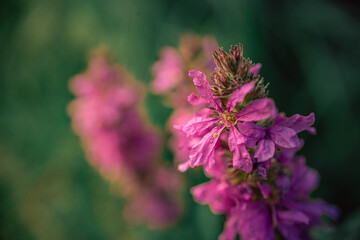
{"x":168,"y":72}
{"x":122,"y":145}
{"x":283,"y":133}
{"x":287,"y":209}
{"x":157,"y":203}
{"x":241,"y":124}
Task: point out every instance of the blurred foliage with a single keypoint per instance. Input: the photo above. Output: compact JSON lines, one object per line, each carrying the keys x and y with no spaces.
{"x":310,"y":53}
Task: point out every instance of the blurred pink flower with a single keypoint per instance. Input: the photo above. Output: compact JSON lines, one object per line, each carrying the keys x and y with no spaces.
{"x":121,"y":144}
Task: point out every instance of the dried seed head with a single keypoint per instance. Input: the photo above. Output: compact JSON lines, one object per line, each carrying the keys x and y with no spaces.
{"x":233,"y":71}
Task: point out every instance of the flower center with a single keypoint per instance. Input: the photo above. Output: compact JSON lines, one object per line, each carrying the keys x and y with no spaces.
{"x":228,"y":119}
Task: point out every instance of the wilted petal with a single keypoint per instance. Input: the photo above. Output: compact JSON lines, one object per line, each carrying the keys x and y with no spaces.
{"x":251,"y":132}
{"x":203,"y":87}
{"x":195,"y":100}
{"x":265,"y":150}
{"x":258,"y":110}
{"x":238,"y":95}
{"x":283,"y":136}
{"x":256,"y":69}
{"x":197,"y":125}
{"x":204,"y":149}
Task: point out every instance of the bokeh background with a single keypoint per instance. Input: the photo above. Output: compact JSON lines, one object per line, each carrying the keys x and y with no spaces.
{"x":310,"y":53}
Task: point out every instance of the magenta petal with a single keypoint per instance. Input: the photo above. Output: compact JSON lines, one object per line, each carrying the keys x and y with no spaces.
{"x":328,"y":209}
{"x":230,"y":231}
{"x":195,"y":100}
{"x":184,"y":166}
{"x":258,"y":110}
{"x":305,"y":180}
{"x":251,"y":132}
{"x":197,"y":125}
{"x":204,"y":149}
{"x":238,"y":95}
{"x":203,"y":87}
{"x":265,"y":189}
{"x":168,"y":72}
{"x":283,"y":136}
{"x":256,"y":69}
{"x":299,"y":123}
{"x":235,"y":137}
{"x":292,"y":215}
{"x":241,"y":157}
{"x":254,"y":223}
{"x":201,"y":193}
{"x":265,"y":150}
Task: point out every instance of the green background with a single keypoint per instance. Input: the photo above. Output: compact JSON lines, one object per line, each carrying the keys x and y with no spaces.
{"x":310,"y":54}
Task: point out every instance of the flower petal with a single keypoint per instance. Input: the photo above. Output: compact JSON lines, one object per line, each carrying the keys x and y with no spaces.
{"x":265,"y":150}
{"x":265,"y":189}
{"x":251,"y":132}
{"x":183,"y":166}
{"x":257,"y":110}
{"x":292,"y":215}
{"x":241,"y":157}
{"x":299,"y":123}
{"x":235,"y":137}
{"x":197,"y":125}
{"x":203,"y":87}
{"x":168,"y":71}
{"x":256,"y":69}
{"x":195,"y":100}
{"x":283,"y":136}
{"x":204,"y":149}
{"x":238,"y":95}
{"x":229,"y":232}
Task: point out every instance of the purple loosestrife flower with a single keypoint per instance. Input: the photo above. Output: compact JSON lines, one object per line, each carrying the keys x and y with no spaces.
{"x":172,"y":81}
{"x":121,"y":144}
{"x":157,"y":203}
{"x":106,"y":115}
{"x":248,"y":149}
{"x":170,"y":72}
{"x":258,"y":211}
{"x":240,"y":124}
{"x":283,"y":133}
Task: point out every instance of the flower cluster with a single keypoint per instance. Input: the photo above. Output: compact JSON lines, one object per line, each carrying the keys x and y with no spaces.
{"x":248,"y":148}
{"x":172,"y":81}
{"x":121,"y":144}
